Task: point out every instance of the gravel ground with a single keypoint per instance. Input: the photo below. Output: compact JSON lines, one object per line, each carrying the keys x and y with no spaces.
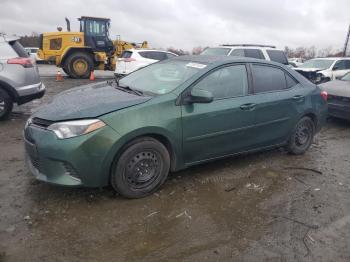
{"x":267,"y":206}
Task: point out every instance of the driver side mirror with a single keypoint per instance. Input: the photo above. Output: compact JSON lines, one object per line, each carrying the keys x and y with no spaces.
{"x":335,"y":68}
{"x":199,"y":96}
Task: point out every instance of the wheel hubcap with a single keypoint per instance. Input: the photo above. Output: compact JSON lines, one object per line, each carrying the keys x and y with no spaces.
{"x":80,"y":66}
{"x":143,"y":169}
{"x":2,"y":105}
{"x":303,"y":134}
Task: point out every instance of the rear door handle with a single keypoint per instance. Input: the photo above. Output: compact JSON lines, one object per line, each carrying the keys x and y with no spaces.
{"x":298,"y":97}
{"x":248,"y":107}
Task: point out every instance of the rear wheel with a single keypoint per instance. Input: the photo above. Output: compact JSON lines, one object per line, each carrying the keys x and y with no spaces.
{"x":79,"y":65}
{"x":141,"y":169}
{"x":6,"y":104}
{"x":302,"y":136}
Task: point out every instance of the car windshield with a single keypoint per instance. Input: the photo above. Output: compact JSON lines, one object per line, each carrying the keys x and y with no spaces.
{"x":317,"y":63}
{"x":346,"y":77}
{"x":161,"y":78}
{"x":216,"y":51}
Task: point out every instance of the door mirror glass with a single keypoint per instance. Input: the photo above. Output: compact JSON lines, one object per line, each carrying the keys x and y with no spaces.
{"x":200,"y":96}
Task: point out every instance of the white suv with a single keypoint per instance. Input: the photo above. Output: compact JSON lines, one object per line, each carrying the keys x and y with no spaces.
{"x":134,"y":59}
{"x":266,"y":52}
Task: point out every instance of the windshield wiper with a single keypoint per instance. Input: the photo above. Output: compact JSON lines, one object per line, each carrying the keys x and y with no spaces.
{"x":125,"y":88}
{"x":128,"y":88}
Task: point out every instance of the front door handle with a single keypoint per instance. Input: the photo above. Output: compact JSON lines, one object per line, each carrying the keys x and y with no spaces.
{"x":248,"y":107}
{"x":298,"y":97}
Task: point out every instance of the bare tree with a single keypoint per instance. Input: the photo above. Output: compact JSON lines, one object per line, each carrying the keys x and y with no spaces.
{"x":197,"y":50}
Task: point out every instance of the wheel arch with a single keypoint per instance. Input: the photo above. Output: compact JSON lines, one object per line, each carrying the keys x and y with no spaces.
{"x":69,"y":51}
{"x":10,"y":90}
{"x":158,"y":134}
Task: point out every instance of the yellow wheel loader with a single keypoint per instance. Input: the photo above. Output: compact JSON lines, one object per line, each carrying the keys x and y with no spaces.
{"x":79,"y":53}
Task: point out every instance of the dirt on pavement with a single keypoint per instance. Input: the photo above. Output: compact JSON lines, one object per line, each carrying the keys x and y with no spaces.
{"x":268,"y":206}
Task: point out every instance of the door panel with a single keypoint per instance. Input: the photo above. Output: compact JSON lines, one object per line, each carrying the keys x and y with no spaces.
{"x":221,"y":127}
{"x":217,"y":129}
{"x":277,"y":114}
{"x":279,"y":98}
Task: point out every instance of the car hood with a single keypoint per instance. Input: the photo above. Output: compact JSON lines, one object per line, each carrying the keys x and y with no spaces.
{"x":337,"y":88}
{"x":308,"y":69}
{"x":88,"y":102}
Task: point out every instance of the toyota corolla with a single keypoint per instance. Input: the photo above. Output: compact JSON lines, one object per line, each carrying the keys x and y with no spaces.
{"x":168,"y":116}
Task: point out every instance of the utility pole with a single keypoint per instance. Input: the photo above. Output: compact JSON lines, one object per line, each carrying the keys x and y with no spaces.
{"x":346,"y":42}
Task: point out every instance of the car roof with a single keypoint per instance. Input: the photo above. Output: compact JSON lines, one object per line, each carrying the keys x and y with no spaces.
{"x":330,"y":58}
{"x":148,"y":49}
{"x":213,"y":59}
{"x":246,"y":46}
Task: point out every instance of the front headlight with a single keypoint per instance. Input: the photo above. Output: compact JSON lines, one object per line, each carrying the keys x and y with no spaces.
{"x":75,"y":128}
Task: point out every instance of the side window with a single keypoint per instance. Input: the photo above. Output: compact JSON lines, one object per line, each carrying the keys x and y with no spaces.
{"x":254,"y":53}
{"x":347,"y":64}
{"x":126,"y":54}
{"x":290,"y":81}
{"x":237,"y":52}
{"x":267,"y":78}
{"x":339,"y":65}
{"x":277,"y":56}
{"x":226,"y":82}
{"x":56,"y":43}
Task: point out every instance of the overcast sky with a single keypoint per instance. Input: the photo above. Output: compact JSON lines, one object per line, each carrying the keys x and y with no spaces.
{"x":186,"y":24}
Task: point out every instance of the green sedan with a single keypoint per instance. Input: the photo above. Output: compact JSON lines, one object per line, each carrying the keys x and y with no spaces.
{"x":168,"y":116}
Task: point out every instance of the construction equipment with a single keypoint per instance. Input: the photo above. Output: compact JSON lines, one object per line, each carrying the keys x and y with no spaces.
{"x":79,"y":53}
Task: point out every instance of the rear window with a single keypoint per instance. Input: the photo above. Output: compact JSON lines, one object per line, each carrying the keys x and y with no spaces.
{"x":216,"y":51}
{"x":18,"y":48}
{"x":154,"y":55}
{"x":126,"y":54}
{"x":237,"y":52}
{"x":254,"y":53}
{"x":267,"y":78}
{"x":277,"y":56}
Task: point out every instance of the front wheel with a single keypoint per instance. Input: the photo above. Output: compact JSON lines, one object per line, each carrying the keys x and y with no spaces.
{"x":79,"y":65}
{"x":302,"y":136}
{"x":141,"y":169}
{"x":6,"y":105}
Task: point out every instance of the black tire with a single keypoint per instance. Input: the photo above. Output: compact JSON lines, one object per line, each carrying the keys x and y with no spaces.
{"x":302,"y":136}
{"x":64,"y":68}
{"x":75,"y":58}
{"x":6,"y":104}
{"x":141,"y":169}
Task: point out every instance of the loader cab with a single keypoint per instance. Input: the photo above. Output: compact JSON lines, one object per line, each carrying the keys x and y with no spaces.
{"x":96,"y":33}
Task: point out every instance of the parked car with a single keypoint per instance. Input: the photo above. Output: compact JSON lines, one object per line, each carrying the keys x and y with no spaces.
{"x":266,"y":52}
{"x":19,"y":77}
{"x":134,"y":59}
{"x":297,"y":61}
{"x":32,"y":51}
{"x":320,"y":70}
{"x":338,"y":97}
{"x":168,"y":116}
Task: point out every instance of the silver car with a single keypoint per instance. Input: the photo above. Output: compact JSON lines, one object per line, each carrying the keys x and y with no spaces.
{"x":19,"y":76}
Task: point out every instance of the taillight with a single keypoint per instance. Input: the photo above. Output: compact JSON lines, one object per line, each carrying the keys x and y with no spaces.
{"x":129,"y":59}
{"x":324,"y":95}
{"x":23,"y":61}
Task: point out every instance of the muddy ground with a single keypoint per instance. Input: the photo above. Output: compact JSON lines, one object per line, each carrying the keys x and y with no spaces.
{"x":258,"y":207}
